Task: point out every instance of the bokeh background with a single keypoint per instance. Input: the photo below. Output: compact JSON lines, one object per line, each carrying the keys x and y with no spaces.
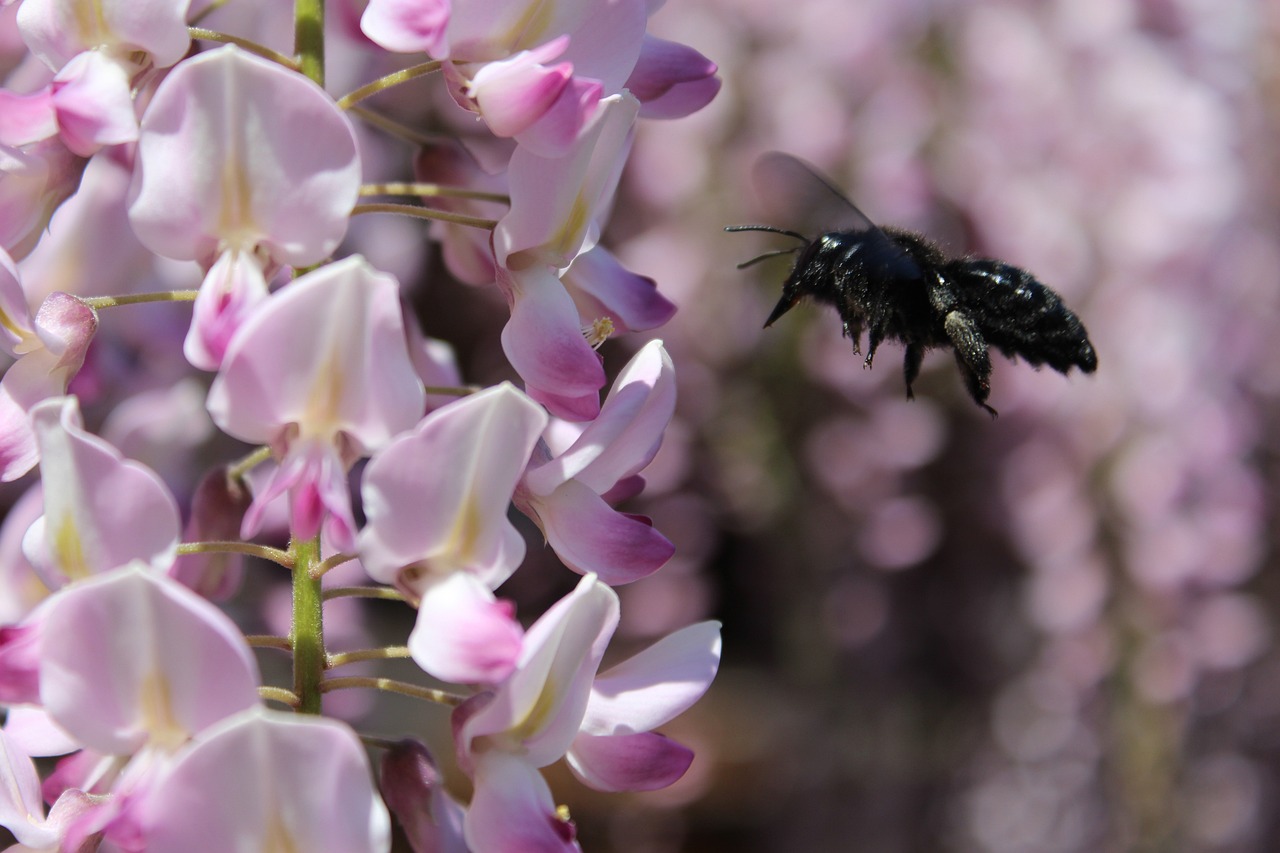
{"x":1054,"y":631}
{"x":1050,"y":632}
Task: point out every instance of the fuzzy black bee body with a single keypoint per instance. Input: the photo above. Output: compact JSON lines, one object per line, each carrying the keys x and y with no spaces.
{"x":896,"y":285}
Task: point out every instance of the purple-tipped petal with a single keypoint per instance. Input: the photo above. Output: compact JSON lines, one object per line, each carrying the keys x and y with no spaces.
{"x":590,"y":536}
{"x":602,"y":287}
{"x":20,"y":663}
{"x":413,"y":790}
{"x":672,"y":80}
{"x":407,"y":26}
{"x":512,"y":810}
{"x":543,"y":340}
{"x":640,"y":762}
{"x":513,"y":93}
{"x":463,"y":634}
{"x":231,"y":290}
{"x":626,"y":434}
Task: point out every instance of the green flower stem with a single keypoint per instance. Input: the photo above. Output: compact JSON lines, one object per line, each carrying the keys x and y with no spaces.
{"x":237,"y":470}
{"x":279,"y":694}
{"x":383,"y":592}
{"x":275,"y":555}
{"x":245,"y":44}
{"x":384,"y":653}
{"x":395,"y":78}
{"x":432,"y":190}
{"x":426,"y":213}
{"x":308,"y":38}
{"x":307,"y":634}
{"x":268,"y":641}
{"x":393,"y":686}
{"x":395,"y":129}
{"x":99,"y":302}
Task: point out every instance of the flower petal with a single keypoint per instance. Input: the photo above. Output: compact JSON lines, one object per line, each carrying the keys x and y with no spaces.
{"x":640,"y":762}
{"x":672,"y":80}
{"x":602,"y":287}
{"x":544,"y":342}
{"x":654,"y":686}
{"x":100,"y":510}
{"x":463,"y":634}
{"x":132,"y":657}
{"x":407,"y":26}
{"x":231,"y":148}
{"x":267,"y":780}
{"x":438,"y":497}
{"x":590,"y":536}
{"x":512,"y":810}
{"x":626,"y":434}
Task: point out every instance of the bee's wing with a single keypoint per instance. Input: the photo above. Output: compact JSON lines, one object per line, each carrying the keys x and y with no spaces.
{"x":798,"y":195}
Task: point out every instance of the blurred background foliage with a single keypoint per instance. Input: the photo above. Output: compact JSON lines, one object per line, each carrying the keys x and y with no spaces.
{"x":1050,"y":632}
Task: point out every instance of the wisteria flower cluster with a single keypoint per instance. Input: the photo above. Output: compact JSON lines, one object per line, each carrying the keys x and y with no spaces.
{"x":136,"y":150}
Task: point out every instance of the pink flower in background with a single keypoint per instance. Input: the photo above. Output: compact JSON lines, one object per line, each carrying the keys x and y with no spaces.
{"x":49,"y":347}
{"x":101,"y":511}
{"x":321,"y":373}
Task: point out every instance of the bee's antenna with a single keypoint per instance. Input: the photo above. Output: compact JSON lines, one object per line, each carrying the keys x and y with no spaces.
{"x":766,"y":256}
{"x":770,"y":229}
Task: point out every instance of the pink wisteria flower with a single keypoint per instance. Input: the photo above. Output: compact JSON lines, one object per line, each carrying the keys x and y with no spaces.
{"x":49,"y":347}
{"x":265,"y":780}
{"x":232,"y":148}
{"x":436,"y":501}
{"x":553,"y":704}
{"x":101,"y":511}
{"x":565,"y":487}
{"x":555,"y":209}
{"x":321,"y":373}
{"x":135,"y":713}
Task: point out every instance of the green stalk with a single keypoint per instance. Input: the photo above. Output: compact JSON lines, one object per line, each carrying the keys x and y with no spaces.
{"x":307,"y":633}
{"x":308,"y":38}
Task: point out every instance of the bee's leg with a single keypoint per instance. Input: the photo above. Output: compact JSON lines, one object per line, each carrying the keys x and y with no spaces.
{"x":853,"y":331}
{"x":911,"y":366}
{"x":972,"y":357}
{"x":873,"y":343}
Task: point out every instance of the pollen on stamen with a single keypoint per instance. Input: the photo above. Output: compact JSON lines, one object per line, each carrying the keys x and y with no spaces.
{"x":598,"y":332}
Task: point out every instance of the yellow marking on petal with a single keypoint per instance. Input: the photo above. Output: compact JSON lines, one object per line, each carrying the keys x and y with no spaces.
{"x":278,"y":839}
{"x":91,"y":24}
{"x":320,"y":414}
{"x":68,"y":550}
{"x":10,"y":325}
{"x":465,"y":533}
{"x":566,"y":239}
{"x":529,"y":28}
{"x":539,"y":714}
{"x":165,"y":731}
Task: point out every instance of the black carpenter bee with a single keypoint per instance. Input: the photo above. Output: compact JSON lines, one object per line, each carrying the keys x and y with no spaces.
{"x":899,"y":286}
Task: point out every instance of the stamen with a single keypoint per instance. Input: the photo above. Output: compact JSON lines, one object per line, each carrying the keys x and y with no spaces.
{"x":598,"y":332}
